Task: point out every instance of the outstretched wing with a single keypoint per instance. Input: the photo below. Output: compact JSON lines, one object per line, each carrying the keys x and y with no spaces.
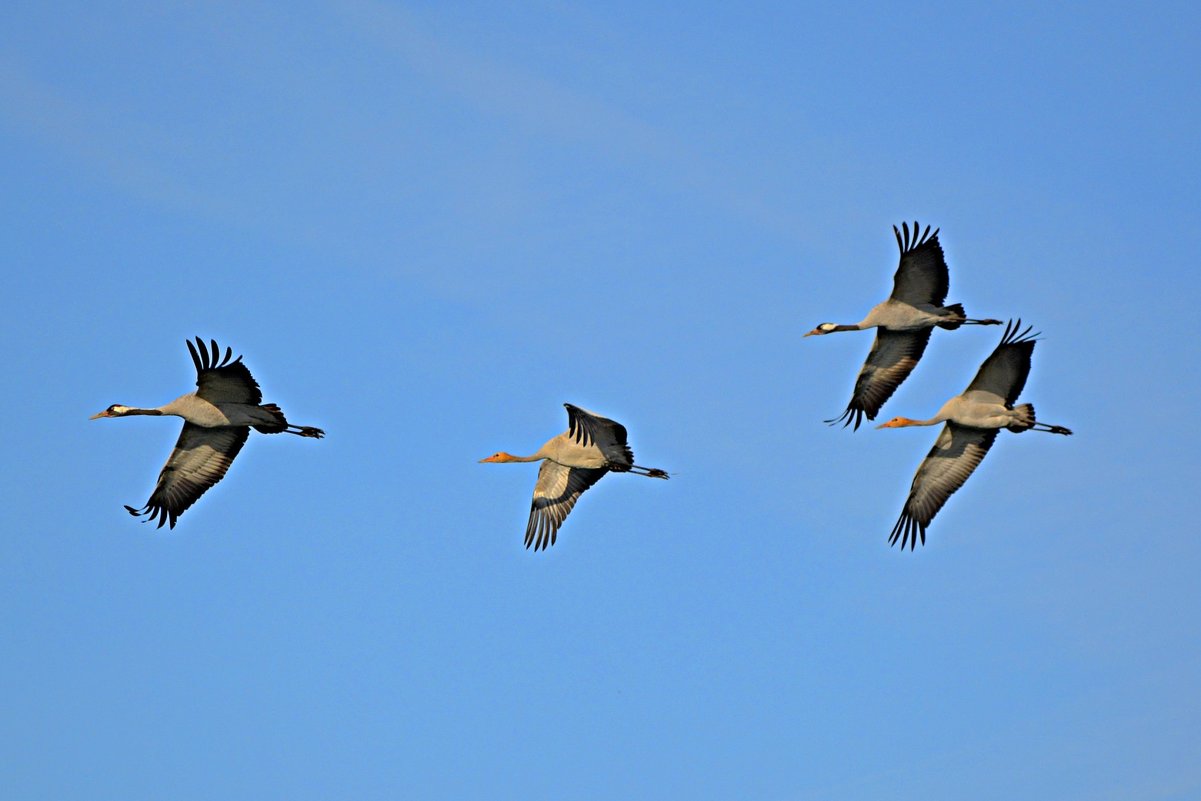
{"x":893,"y":357}
{"x":1003,"y":374}
{"x":609,"y":436}
{"x":956,"y":453}
{"x":200,"y":459}
{"x":221,"y":380}
{"x":555,"y":494}
{"x":922,"y":275}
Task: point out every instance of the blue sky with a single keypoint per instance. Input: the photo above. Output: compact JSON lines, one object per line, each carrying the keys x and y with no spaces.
{"x":426,"y":227}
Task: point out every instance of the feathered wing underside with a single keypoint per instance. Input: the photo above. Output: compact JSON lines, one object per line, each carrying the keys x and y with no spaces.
{"x":893,"y":356}
{"x":200,"y":459}
{"x":220,"y":380}
{"x":956,"y":453}
{"x":922,"y":275}
{"x":555,"y":494}
{"x":609,"y":436}
{"x":1003,"y":374}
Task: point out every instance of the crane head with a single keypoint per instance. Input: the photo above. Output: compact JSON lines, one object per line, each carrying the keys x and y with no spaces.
{"x":822,"y":328}
{"x":499,"y":456}
{"x":897,"y":422}
{"x":116,"y":410}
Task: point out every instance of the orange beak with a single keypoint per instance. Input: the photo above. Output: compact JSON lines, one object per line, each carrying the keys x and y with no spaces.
{"x":813,"y":332}
{"x":496,"y":458}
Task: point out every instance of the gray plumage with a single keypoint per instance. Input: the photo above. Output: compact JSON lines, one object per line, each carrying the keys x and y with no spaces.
{"x":571,"y":463}
{"x":971,"y":422}
{"x":903,"y":323}
{"x":217,"y":417}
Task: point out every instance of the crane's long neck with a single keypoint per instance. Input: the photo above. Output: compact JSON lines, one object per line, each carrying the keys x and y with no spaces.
{"x":904,"y":422}
{"x":504,"y":458}
{"x":131,"y":410}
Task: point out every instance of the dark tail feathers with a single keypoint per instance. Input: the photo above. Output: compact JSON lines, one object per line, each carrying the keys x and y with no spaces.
{"x":282,"y":426}
{"x":281,"y":422}
{"x":957,"y":308}
{"x":1029,"y":423}
{"x":1026,"y":410}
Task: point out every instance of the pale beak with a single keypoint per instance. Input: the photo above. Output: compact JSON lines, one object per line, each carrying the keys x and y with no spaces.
{"x":100,"y":414}
{"x":814,"y":331}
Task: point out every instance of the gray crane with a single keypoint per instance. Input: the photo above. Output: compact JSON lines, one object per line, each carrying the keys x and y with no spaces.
{"x":972,"y":421}
{"x":571,"y":463}
{"x":903,"y":323}
{"x":217,"y":417}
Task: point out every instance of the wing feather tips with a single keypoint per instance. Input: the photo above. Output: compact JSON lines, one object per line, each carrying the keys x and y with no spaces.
{"x":195,"y":355}
{"x":908,"y":242}
{"x":907,"y":529}
{"x":154,"y":512}
{"x":209,"y":357}
{"x":542,"y":529}
{"x":850,"y":416}
{"x":1014,"y":335}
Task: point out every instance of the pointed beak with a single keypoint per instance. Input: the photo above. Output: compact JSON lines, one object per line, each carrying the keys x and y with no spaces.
{"x":814,"y":331}
{"x":98,"y":415}
{"x":487,"y":459}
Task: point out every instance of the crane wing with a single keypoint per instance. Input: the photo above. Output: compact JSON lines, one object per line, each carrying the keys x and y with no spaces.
{"x":894,"y":355}
{"x":200,"y":459}
{"x":922,"y":275}
{"x":220,"y":380}
{"x":609,"y":436}
{"x":956,"y":453}
{"x":555,"y":494}
{"x":1003,"y":374}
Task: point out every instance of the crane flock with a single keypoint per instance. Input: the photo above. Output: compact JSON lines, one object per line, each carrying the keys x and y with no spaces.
{"x":972,"y":419}
{"x":227,"y":404}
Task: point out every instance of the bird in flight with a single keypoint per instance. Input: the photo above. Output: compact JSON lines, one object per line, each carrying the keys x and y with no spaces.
{"x":217,"y":417}
{"x":571,"y":463}
{"x":903,"y":323}
{"x":971,"y":422}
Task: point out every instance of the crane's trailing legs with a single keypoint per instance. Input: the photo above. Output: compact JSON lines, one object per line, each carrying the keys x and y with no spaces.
{"x":1050,"y":429}
{"x":305,"y":431}
{"x":961,"y":318}
{"x":649,"y":472}
{"x":591,"y":447}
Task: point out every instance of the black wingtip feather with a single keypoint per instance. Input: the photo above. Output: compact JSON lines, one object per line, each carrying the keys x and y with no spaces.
{"x":154,"y":513}
{"x":195,"y":355}
{"x":907,"y":530}
{"x":1014,"y":335}
{"x":908,"y":241}
{"x":851,"y":415}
